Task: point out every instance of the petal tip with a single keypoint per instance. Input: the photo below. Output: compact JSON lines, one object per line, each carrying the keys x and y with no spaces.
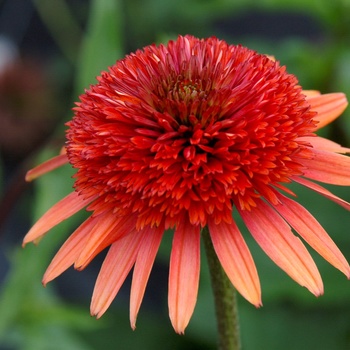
{"x":180,"y":331}
{"x":44,"y":282}
{"x":29,"y":176}
{"x":46,"y":167}
{"x":255,"y":299}
{"x":96,"y":313}
{"x":345,"y":269}
{"x":78,"y":266}
{"x":318,"y":292}
{"x":48,"y":277}
{"x":258,"y":305}
{"x":27,"y":240}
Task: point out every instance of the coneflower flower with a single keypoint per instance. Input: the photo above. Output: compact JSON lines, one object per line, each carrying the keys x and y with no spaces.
{"x":179,"y":137}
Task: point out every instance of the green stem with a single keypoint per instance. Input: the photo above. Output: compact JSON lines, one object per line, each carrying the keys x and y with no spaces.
{"x":225,"y":299}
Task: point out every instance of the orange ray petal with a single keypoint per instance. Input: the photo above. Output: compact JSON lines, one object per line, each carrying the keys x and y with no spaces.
{"x":110,"y":229}
{"x":236,"y":260}
{"x":313,"y":233}
{"x":324,"y":192}
{"x":62,"y":210}
{"x":142,"y":269}
{"x":287,"y":251}
{"x":323,"y":144}
{"x":70,"y":250}
{"x":46,"y":167}
{"x":115,"y":268}
{"x":184,"y":275}
{"x":328,"y":107}
{"x":328,"y":167}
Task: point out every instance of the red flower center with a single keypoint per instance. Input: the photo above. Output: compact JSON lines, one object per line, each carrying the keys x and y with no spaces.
{"x":188,"y":130}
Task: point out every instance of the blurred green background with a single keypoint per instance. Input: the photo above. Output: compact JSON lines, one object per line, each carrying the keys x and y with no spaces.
{"x":49,"y":52}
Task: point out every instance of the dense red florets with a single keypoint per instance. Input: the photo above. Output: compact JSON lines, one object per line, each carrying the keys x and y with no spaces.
{"x":190,"y":129}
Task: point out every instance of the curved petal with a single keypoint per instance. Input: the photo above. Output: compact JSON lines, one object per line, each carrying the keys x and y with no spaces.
{"x":328,"y":167}
{"x":323,"y":144}
{"x":321,"y":190}
{"x":46,"y":167}
{"x":115,"y":268}
{"x":312,"y":232}
{"x":62,"y":210}
{"x":70,"y":250}
{"x":236,"y":260}
{"x":184,"y":275}
{"x":104,"y":234}
{"x":287,"y":251}
{"x":142,"y":269}
{"x":328,"y":107}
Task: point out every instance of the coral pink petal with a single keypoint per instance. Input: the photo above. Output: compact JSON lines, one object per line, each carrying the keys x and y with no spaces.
{"x":62,"y":210}
{"x":142,"y":269}
{"x":70,"y":250}
{"x":323,"y":144}
{"x":275,"y":237}
{"x":115,"y":268}
{"x":46,"y":167}
{"x":328,"y":167}
{"x":312,"y":232}
{"x":311,"y":93}
{"x":324,"y":192}
{"x":328,"y":107}
{"x":236,"y":260}
{"x":184,"y":275}
{"x":110,"y":228}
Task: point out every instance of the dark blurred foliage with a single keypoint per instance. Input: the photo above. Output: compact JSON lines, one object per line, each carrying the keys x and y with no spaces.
{"x":49,"y":52}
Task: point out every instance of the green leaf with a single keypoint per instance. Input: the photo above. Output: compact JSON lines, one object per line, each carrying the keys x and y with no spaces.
{"x":102,"y":44}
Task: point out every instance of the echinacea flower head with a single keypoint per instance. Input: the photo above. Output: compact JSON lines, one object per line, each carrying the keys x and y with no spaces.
{"x":179,"y":137}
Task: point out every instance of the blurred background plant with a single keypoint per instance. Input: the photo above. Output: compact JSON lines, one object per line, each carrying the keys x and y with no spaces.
{"x":49,"y":52}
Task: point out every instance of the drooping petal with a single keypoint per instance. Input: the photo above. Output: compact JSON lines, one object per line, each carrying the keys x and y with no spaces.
{"x":142,"y":269}
{"x":287,"y":251}
{"x":324,"y":192}
{"x":312,"y":232}
{"x":62,"y":210}
{"x":323,"y":144}
{"x":46,"y":167}
{"x":328,"y":167}
{"x":328,"y":107}
{"x":184,"y":275}
{"x":70,"y":250}
{"x":115,"y":268}
{"x":107,"y":232}
{"x":235,"y":258}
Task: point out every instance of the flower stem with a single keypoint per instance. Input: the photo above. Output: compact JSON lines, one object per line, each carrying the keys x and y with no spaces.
{"x":225,"y":299}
